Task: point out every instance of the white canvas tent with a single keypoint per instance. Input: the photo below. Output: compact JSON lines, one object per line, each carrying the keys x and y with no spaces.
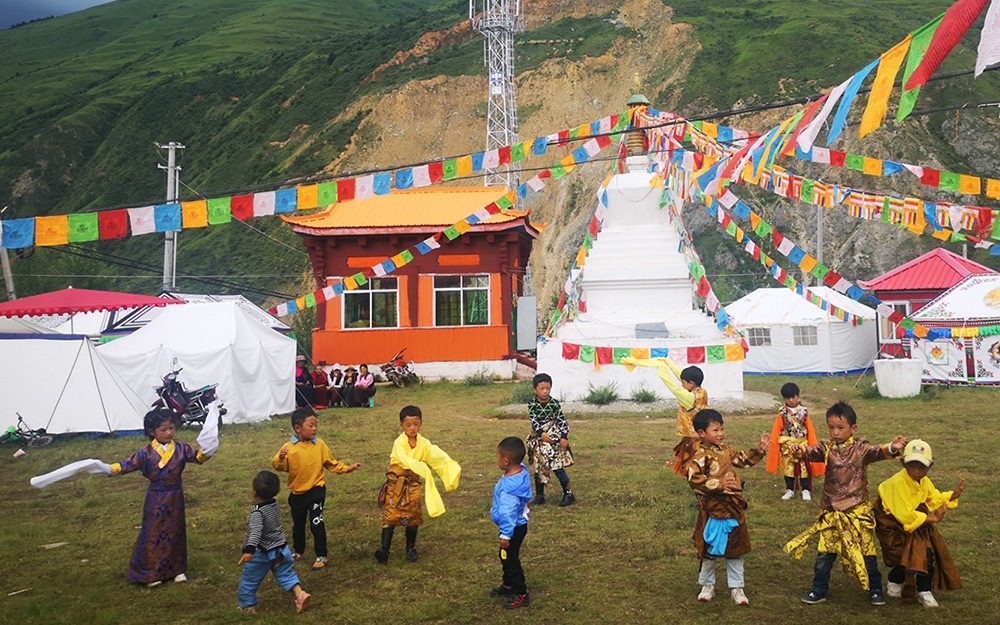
{"x":788,"y":334}
{"x":253,"y":365}
{"x":972,"y":303}
{"x":20,"y":325}
{"x":62,"y":384}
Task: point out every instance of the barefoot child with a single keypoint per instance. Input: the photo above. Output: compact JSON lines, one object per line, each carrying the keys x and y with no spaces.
{"x":792,"y":427}
{"x":846,"y":524}
{"x":306,"y":458}
{"x":266,"y":548}
{"x":510,"y":512}
{"x":721,"y":529}
{"x":548,"y":444}
{"x":907,"y":511}
{"x":412,"y":459}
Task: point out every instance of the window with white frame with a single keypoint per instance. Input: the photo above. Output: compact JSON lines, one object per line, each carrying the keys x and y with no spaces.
{"x":374,"y":305}
{"x":759,"y":337}
{"x":804,"y":335}
{"x":886,"y":328}
{"x":461,"y":300}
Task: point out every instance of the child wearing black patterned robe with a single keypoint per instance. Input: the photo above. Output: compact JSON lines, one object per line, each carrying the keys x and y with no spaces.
{"x":548,"y":444}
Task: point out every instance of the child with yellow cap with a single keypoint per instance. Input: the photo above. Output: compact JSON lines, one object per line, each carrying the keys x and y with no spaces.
{"x":907,"y":512}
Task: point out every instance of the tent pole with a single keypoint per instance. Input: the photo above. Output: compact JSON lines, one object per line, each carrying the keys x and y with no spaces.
{"x":97,"y":385}
{"x":48,"y":424}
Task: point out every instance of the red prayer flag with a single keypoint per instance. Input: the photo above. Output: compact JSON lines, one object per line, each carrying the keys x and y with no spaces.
{"x":368,"y":272}
{"x":696,"y":355}
{"x":545,"y":173}
{"x":345,"y":189}
{"x":112,"y":224}
{"x":803,"y":123}
{"x":570,"y":351}
{"x":492,"y":208}
{"x":778,"y":237}
{"x":320,"y":296}
{"x":704,"y":287}
{"x":504,"y":154}
{"x":242,"y":207}
{"x":984,"y":224}
{"x":931,"y":177}
{"x":563,"y":137}
{"x":593,"y":227}
{"x":956,"y":22}
{"x":837,"y":158}
{"x":603,"y":141}
{"x":832,"y":278}
{"x":605,"y":355}
{"x":896,"y":317}
{"x":436,"y":171}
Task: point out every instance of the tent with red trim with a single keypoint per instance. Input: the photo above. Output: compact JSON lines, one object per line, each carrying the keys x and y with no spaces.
{"x":69,"y":301}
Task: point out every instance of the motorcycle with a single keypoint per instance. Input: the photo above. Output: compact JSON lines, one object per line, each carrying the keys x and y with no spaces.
{"x":190,"y":407}
{"x":399,"y":371}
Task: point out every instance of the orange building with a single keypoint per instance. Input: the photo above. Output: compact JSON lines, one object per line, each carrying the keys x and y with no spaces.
{"x":455,"y":304}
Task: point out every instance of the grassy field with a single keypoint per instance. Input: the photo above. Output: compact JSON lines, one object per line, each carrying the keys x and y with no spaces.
{"x":622,"y":554}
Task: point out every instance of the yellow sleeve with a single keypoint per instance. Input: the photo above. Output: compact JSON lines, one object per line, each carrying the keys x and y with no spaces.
{"x":279,"y":463}
{"x":899,"y":505}
{"x":330,"y":463}
{"x":447,"y":469}
{"x":667,"y":370}
{"x":935,"y":498}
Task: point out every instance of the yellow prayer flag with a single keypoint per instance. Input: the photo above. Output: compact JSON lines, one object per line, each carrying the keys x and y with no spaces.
{"x":301,"y":303}
{"x":350,"y":283}
{"x":52,"y":230}
{"x":582,"y":131}
{"x":398,"y":260}
{"x":712,"y":130}
{"x":754,"y":220}
{"x":878,"y":100}
{"x":920,"y":331}
{"x":568,"y":163}
{"x":766,"y":156}
{"x":943,"y":234}
{"x":993,"y":188}
{"x":873,"y":166}
{"x":808,"y":263}
{"x":734,"y":352}
{"x":306,"y":196}
{"x":640,"y":353}
{"x":464,"y":168}
{"x":970,"y":185}
{"x":194,"y":214}
{"x":581,"y":257}
{"x":462,"y":226}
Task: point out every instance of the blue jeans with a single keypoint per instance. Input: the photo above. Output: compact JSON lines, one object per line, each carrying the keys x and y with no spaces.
{"x":278,"y":561}
{"x":824,"y":563}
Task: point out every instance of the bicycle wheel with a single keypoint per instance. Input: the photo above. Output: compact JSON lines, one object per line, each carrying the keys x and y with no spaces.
{"x":40,"y":441}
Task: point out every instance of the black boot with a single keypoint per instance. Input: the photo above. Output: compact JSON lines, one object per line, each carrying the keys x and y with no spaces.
{"x":568,"y":498}
{"x":539,"y":499}
{"x":382,"y":553}
{"x":411,"y":543}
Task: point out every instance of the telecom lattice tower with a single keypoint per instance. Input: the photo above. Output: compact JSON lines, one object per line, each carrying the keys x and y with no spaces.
{"x":498,"y":21}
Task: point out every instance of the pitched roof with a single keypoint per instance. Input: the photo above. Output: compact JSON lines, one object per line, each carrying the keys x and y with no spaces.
{"x":781,"y":306}
{"x":974,"y":299}
{"x":937,"y":269}
{"x":414,"y":209}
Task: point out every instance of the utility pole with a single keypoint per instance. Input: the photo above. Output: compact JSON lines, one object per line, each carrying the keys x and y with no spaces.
{"x":819,"y":233}
{"x":8,"y":277}
{"x":170,"y":238}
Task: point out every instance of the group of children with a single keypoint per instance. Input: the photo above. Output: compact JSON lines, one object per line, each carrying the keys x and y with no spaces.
{"x":903,"y":517}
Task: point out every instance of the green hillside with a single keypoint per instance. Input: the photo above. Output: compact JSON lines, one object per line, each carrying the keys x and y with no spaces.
{"x":252,"y":87}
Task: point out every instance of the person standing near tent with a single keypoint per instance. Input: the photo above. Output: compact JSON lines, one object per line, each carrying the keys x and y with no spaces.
{"x":305,"y":394}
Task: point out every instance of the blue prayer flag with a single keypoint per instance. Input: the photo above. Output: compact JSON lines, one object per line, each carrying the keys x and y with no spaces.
{"x":404,"y":179}
{"x":891,"y":167}
{"x":855,"y":292}
{"x":741,"y":210}
{"x":540,"y":145}
{"x":18,"y":233}
{"x":796,"y":255}
{"x":477,"y":161}
{"x":725,"y":134}
{"x":383,"y":183}
{"x":659,"y":352}
{"x":285,"y":200}
{"x":167,"y":217}
{"x":847,"y":100}
{"x":580,"y":155}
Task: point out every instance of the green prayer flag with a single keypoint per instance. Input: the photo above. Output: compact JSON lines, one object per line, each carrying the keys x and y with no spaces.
{"x":731,"y":228}
{"x":449,"y":169}
{"x":696,"y":270}
{"x":918,"y":48}
{"x":886,"y":208}
{"x":311,"y":300}
{"x":556,"y":316}
{"x":517,"y":153}
{"x":618,"y":353}
{"x":452,"y":233}
{"x":715,"y":353}
{"x":808,"y":187}
{"x":588,"y":241}
{"x":698,"y":125}
{"x":957,"y":237}
{"x":327,"y":193}
{"x":907,"y":324}
{"x":587,"y":353}
{"x":504,"y":203}
{"x":83,"y":227}
{"x":995,"y":234}
{"x":218,"y":211}
{"x":789,"y":281}
{"x":360,"y":279}
{"x":763,"y":229}
{"x":820,"y":270}
{"x":855,"y":162}
{"x":407,"y":256}
{"x":574,"y":132}
{"x":558,"y":171}
{"x":949,"y":181}
{"x":622,"y":123}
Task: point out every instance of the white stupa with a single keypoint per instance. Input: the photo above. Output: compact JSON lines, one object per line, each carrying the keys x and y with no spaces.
{"x":638,"y":295}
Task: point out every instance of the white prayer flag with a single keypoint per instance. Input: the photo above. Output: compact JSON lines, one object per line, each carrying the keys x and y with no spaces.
{"x":808,"y":136}
{"x":989,"y":40}
{"x":421,"y":176}
{"x":364,"y":187}
{"x":263,"y":204}
{"x":141,"y":220}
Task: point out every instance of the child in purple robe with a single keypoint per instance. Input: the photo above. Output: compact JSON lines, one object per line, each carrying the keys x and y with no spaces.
{"x":160,"y":552}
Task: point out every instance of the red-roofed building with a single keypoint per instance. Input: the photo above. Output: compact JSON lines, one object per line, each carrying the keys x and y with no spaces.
{"x":452,"y":309}
{"x":910,"y":286}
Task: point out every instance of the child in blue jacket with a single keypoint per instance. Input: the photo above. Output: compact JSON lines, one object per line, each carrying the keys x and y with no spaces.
{"x":510,"y":513}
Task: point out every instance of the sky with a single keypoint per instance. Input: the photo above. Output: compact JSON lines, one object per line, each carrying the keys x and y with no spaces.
{"x":17,"y":11}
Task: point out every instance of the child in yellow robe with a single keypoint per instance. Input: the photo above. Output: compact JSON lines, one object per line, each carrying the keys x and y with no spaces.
{"x":793,"y":427}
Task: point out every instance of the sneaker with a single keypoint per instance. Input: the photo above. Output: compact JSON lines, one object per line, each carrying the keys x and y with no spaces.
{"x":180,"y":579}
{"x":501,"y":591}
{"x":926,"y":599}
{"x":707,"y":592}
{"x":153,"y":584}
{"x":807,"y":496}
{"x":539,"y":500}
{"x":517,"y":601}
{"x":739,"y":597}
{"x":876,"y":597}
{"x":319,"y":563}
{"x":249,"y":610}
{"x":567,"y":499}
{"x":411,"y":554}
{"x":788,"y":495}
{"x":894,"y":590}
{"x":813,"y":598}
{"x":296,"y":556}
{"x":382,"y":556}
